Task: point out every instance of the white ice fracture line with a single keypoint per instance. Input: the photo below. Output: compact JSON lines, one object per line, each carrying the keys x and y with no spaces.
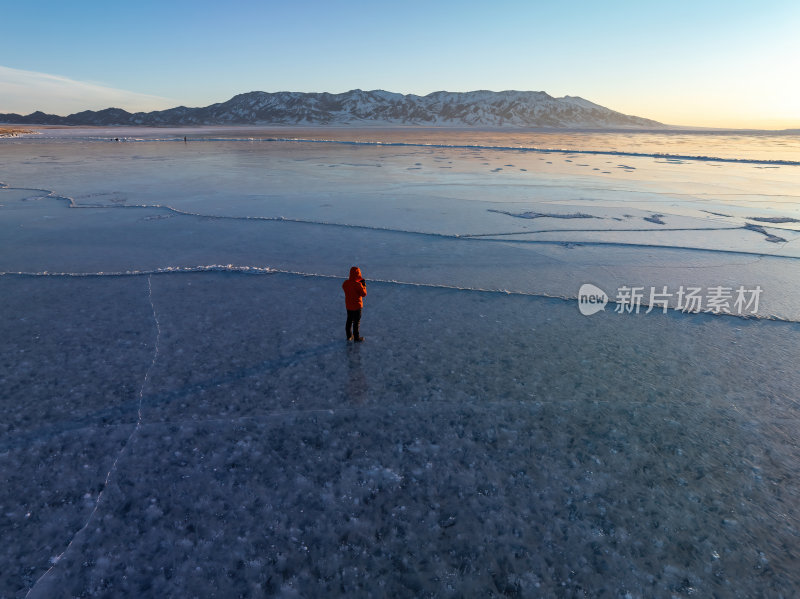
{"x":41,"y":588}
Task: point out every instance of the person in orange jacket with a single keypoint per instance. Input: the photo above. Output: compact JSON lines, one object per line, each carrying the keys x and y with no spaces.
{"x":355,"y":289}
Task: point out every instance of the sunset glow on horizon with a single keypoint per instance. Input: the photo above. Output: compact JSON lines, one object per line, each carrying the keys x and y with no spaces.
{"x":709,"y":64}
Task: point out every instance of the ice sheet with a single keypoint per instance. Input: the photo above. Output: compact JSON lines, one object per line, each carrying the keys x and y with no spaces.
{"x":475,"y":441}
{"x":184,"y":417}
{"x":46,"y":236}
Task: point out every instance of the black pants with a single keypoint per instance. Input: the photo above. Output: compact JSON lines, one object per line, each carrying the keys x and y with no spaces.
{"x":353,"y":318}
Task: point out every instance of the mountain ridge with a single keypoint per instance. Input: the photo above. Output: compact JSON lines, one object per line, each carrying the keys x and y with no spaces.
{"x":479,"y":108}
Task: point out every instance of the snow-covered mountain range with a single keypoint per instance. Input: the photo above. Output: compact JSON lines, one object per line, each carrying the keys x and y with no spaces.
{"x":357,"y":107}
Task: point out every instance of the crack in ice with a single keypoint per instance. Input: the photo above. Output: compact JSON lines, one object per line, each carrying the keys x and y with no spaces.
{"x":32,"y":592}
{"x":650,"y":230}
{"x":474,"y":237}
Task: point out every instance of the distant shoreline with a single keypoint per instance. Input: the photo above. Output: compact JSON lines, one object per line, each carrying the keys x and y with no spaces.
{"x":684,"y":145}
{"x":266,"y":129}
{"x":6,"y":131}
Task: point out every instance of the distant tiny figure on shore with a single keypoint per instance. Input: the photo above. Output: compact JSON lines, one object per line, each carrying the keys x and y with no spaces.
{"x":355,"y":289}
{"x":184,"y":139}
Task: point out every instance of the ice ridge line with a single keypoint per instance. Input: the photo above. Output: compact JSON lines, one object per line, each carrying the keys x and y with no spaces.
{"x":533,"y":149}
{"x":650,"y":230}
{"x":461,"y":236}
{"x":649,"y":246}
{"x":45,"y":592}
{"x":155,"y":271}
{"x":486,"y":237}
{"x":543,"y":150}
{"x":73,"y":204}
{"x":264,"y":270}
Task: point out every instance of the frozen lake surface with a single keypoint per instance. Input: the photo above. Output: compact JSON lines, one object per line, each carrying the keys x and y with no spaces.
{"x":182,"y":415}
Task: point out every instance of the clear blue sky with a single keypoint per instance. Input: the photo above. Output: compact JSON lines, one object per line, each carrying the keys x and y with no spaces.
{"x":715,"y":63}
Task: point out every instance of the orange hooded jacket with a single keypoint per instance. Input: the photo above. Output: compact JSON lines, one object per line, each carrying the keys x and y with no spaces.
{"x":354,"y":289}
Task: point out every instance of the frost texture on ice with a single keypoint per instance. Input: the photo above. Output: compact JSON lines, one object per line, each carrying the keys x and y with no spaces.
{"x":46,"y":585}
{"x":545,"y":448}
{"x":176,"y":426}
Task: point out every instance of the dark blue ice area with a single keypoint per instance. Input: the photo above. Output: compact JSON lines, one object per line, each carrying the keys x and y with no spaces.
{"x":183,"y":417}
{"x":475,"y":441}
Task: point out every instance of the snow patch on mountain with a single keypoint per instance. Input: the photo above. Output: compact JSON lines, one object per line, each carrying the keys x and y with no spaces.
{"x":480,"y":108}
